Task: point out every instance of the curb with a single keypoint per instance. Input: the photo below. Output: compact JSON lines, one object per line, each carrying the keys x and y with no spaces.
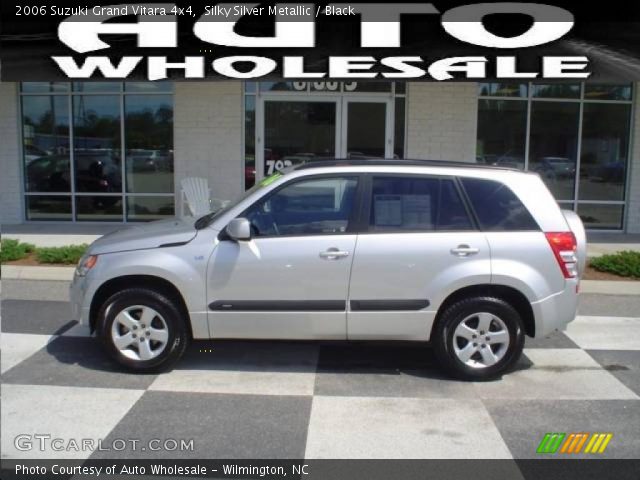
{"x":20,"y":272}
{"x":65,"y":274}
{"x":607,"y":287}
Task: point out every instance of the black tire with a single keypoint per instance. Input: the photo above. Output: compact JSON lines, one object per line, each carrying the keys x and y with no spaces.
{"x":443,"y":337}
{"x":178,"y":336}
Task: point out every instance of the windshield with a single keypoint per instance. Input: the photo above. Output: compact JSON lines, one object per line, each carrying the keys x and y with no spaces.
{"x":207,"y":219}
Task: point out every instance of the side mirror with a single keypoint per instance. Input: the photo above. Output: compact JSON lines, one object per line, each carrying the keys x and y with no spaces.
{"x":239,"y":229}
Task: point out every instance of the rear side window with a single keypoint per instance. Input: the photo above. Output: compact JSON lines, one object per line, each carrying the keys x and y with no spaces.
{"x":497,"y":207}
{"x":416,"y":204}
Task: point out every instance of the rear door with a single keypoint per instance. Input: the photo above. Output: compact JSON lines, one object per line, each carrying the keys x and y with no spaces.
{"x":420,"y":242}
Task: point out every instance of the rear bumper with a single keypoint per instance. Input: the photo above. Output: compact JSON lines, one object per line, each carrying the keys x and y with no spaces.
{"x":556,"y":311}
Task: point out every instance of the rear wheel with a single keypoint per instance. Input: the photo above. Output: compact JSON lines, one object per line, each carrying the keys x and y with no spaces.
{"x":142,"y":330}
{"x":479,"y":338}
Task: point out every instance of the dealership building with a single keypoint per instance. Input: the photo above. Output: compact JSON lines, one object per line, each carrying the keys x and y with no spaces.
{"x":87,"y":152}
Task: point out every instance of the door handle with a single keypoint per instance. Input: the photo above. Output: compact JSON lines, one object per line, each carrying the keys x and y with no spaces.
{"x":333,"y":254}
{"x":464,"y":251}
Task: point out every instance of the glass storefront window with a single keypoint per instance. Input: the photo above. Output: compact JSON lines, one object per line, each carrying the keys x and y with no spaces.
{"x":45,"y":87}
{"x":96,"y":143}
{"x":149,"y":143}
{"x":554,"y":145}
{"x":605,"y":150}
{"x":549,"y":121}
{"x":145,"y":208}
{"x":49,"y":208}
{"x":99,"y":208}
{"x":91,"y":170}
{"x":149,"y":87}
{"x":607,"y":92}
{"x":502,"y":127}
{"x":97,"y":87}
{"x":45,"y":125}
{"x":601,"y":217}
{"x":502,"y":90}
{"x":366,"y":129}
{"x":555,"y":90}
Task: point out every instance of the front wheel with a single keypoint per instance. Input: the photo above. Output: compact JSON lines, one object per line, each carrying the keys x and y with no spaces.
{"x":479,"y":338}
{"x":142,"y":330}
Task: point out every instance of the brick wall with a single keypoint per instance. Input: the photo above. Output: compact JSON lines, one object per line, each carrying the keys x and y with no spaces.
{"x":208,"y":120}
{"x":10,"y":183}
{"x":442,"y":121}
{"x":633,"y":214}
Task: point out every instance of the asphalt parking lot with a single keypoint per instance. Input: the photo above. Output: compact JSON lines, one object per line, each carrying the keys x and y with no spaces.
{"x":315,"y":400}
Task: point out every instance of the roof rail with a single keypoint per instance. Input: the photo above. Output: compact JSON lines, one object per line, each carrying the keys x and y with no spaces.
{"x":337,"y":162}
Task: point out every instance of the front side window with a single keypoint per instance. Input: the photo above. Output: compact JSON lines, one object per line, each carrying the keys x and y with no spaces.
{"x":320,"y":206}
{"x":416,"y":204}
{"x":497,"y":208}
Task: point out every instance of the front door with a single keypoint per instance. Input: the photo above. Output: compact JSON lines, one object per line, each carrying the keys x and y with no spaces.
{"x":291,"y":279}
{"x":293,"y":130}
{"x":366,"y":128}
{"x":297,"y":131}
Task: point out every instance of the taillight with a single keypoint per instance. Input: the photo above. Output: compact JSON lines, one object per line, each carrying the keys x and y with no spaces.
{"x":564,"y":248}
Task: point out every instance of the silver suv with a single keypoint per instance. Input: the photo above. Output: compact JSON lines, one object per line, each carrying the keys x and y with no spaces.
{"x":471,"y":258}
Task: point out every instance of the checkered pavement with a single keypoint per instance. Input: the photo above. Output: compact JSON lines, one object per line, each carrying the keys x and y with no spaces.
{"x":315,"y":400}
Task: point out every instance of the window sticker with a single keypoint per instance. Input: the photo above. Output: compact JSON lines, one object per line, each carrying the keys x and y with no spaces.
{"x":388,"y":210}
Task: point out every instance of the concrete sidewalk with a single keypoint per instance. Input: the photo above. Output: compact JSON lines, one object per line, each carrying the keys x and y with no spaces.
{"x":55,"y":235}
{"x":17,"y":272}
{"x":50,"y":235}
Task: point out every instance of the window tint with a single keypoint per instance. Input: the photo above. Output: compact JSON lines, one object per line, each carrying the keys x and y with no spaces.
{"x":416,"y":204}
{"x":452,"y":215}
{"x":320,"y":206}
{"x":497,"y":207}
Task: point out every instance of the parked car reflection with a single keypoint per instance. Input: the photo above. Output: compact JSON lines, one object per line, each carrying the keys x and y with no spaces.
{"x":507,"y":160}
{"x":141,"y":160}
{"x":98,"y":172}
{"x":612,"y":172}
{"x":32,"y":152}
{"x":556,"y":167}
{"x":48,"y":174}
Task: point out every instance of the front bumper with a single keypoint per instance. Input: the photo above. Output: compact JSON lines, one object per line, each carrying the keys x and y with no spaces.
{"x":556,"y":311}
{"x":77,"y":296}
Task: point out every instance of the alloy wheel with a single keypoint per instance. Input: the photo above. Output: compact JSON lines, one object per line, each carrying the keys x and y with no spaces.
{"x":139,"y":333}
{"x":481,"y":340}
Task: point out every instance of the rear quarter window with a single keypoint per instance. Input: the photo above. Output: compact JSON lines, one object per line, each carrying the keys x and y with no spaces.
{"x":497,"y":208}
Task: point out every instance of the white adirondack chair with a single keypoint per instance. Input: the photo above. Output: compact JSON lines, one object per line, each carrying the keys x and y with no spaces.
{"x":197,"y":194}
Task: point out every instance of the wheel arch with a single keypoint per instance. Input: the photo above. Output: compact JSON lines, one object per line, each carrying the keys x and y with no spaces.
{"x":509,"y":294}
{"x":158,"y":284}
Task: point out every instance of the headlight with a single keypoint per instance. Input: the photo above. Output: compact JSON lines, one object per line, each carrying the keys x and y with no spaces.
{"x":86,"y":264}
